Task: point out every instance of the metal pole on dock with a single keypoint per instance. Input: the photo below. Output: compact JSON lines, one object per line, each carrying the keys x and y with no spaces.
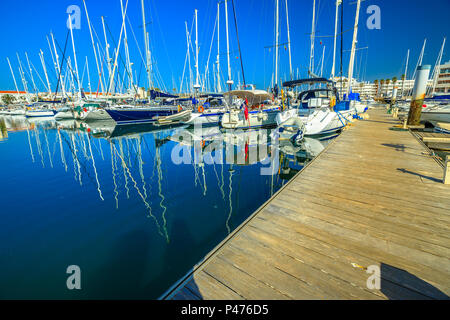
{"x":446,"y":179}
{"x":420,"y":86}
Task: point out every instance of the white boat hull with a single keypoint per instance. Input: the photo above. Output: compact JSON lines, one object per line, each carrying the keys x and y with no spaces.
{"x":235,"y":119}
{"x":325,"y":121}
{"x":39,"y":113}
{"x":96,"y":115}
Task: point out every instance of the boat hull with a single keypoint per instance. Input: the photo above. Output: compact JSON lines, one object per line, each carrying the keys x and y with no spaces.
{"x":144,"y":115}
{"x":235,"y":119}
{"x":39,"y":113}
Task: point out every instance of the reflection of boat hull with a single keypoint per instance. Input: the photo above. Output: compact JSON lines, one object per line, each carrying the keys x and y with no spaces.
{"x":140,"y":115}
{"x":39,"y":113}
{"x":96,"y":115}
{"x":235,"y":119}
{"x":64,"y":115}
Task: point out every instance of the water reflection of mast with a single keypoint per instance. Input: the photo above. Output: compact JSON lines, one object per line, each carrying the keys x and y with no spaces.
{"x":95,"y":168}
{"x":113,"y":165}
{"x":38,"y":143}
{"x":29,"y":143}
{"x":123,"y":167}
{"x":48,"y":149}
{"x":231,"y":170}
{"x":75,"y":158}
{"x":63,"y":159}
{"x":158,"y":166}
{"x":140,"y":193}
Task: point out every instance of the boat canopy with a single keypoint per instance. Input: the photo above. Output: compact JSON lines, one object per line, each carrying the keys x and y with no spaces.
{"x":299,"y":82}
{"x":253,"y":96}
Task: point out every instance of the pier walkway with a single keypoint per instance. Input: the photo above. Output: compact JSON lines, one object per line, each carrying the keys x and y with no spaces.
{"x":373,"y":197}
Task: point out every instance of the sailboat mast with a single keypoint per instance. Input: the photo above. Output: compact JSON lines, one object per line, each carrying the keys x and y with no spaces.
{"x":24,"y":81}
{"x":229,"y":81}
{"x":352,"y":54}
{"x":276,"y":39}
{"x":338,"y":2}
{"x":89,"y":77}
{"x":437,"y":67}
{"x":41,"y":56}
{"x":127,"y":53}
{"x":12,"y":73}
{"x":147,"y":46}
{"x":197,"y":85}
{"x":419,"y":62}
{"x":218,"y":87}
{"x":311,"y":56}
{"x":406,"y":72}
{"x":93,"y":47}
{"x":289,"y":41}
{"x":31,"y":75}
{"x":118,"y":48}
{"x":75,"y":57}
{"x":108,"y":58}
{"x":58,"y":69}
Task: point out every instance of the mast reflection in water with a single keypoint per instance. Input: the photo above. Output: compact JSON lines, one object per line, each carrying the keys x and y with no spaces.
{"x":124,"y":204}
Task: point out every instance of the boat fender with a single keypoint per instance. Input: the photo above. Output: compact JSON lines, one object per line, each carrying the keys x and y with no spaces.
{"x":179,"y":108}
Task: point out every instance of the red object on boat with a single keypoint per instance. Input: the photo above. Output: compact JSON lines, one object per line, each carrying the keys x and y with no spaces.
{"x":424,"y":106}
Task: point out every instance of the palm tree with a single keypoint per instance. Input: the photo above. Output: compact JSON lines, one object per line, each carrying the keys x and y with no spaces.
{"x":382,"y":84}
{"x":376,"y":84}
{"x":388,"y":81}
{"x":403,"y":82}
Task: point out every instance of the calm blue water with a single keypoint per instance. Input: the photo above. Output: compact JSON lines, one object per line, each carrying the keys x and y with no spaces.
{"x":114,"y":201}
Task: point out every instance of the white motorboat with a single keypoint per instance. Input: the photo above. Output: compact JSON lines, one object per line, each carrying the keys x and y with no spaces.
{"x":320,"y":109}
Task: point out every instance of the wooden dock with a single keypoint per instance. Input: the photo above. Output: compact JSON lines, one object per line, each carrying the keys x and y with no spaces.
{"x":374,"y":197}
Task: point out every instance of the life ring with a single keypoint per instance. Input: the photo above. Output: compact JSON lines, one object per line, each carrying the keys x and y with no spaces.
{"x":201,"y":109}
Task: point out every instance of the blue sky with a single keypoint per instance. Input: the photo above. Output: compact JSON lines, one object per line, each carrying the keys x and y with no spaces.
{"x":404,"y":25}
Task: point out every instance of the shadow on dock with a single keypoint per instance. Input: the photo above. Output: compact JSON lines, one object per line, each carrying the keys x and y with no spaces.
{"x":422,"y":176}
{"x":398,"y":284}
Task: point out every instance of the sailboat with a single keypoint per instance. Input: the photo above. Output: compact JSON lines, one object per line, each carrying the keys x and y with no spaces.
{"x":249,"y":109}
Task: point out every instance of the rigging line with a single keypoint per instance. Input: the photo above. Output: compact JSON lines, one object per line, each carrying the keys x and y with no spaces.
{"x":239,"y":43}
{"x":62,"y":64}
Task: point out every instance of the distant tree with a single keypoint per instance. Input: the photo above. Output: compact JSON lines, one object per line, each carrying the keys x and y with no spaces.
{"x":8,"y":99}
{"x":394,"y":80}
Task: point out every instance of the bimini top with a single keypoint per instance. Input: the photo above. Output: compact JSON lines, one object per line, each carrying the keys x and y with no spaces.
{"x":253,"y":96}
{"x":299,"y":82}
